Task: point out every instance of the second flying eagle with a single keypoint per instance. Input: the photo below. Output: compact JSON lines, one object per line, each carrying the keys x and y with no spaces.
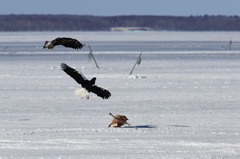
{"x":67,"y":42}
{"x":89,"y":85}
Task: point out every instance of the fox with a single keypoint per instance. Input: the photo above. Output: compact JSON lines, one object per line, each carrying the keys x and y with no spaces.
{"x":120,"y":120}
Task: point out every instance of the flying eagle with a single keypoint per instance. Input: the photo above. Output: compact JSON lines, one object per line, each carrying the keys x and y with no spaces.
{"x":88,"y":85}
{"x":67,"y":42}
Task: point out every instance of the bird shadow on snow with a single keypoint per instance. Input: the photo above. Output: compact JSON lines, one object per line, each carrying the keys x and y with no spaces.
{"x":181,"y":126}
{"x":141,"y":127}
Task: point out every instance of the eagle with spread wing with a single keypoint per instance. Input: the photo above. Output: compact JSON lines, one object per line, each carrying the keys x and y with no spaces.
{"x":67,"y":42}
{"x":88,"y":85}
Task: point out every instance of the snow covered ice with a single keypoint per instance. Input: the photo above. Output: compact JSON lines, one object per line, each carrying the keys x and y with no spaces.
{"x":186,"y":107}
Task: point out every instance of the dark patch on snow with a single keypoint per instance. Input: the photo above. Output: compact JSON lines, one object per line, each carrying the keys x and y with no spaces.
{"x":141,"y":126}
{"x":182,"y":126}
{"x":23,"y":119}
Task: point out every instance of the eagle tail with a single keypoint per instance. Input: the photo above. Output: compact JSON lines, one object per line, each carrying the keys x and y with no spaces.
{"x":46,"y":45}
{"x":81,"y":92}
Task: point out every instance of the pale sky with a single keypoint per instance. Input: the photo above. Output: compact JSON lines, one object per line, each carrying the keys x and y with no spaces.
{"x":121,"y":7}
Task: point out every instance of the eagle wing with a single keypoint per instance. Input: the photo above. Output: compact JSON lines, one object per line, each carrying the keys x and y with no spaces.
{"x":67,"y":42}
{"x":78,"y":77}
{"x":99,"y":91}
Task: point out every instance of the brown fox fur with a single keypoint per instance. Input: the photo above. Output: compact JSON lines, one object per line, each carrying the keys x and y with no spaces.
{"x":120,"y":120}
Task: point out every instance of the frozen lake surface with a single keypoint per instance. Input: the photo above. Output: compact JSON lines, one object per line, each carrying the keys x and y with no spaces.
{"x":187,"y":107}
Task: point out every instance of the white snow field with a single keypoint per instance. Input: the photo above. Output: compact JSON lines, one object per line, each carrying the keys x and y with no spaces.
{"x":187,"y":107}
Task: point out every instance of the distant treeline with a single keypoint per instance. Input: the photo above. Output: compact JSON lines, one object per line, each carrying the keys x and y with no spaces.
{"x":104,"y":23}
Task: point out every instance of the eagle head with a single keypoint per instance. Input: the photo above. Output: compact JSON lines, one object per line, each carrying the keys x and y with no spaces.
{"x":92,"y":81}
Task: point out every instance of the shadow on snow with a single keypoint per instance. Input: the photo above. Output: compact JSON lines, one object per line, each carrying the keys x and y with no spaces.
{"x":182,"y":126}
{"x":141,"y":126}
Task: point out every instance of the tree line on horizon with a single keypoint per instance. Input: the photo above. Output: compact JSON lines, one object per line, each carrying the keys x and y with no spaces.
{"x":105,"y":23}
